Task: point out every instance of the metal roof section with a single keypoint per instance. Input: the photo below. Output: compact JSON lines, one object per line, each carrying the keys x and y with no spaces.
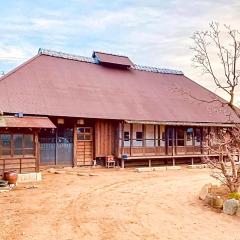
{"x":95,"y":60}
{"x":25,"y":122}
{"x":57,"y":86}
{"x":112,"y":59}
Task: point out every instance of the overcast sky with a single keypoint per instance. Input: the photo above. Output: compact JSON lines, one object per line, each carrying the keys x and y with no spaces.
{"x":150,"y":32}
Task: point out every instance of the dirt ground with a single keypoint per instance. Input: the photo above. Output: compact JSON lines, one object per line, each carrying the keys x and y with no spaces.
{"x":115,"y":204}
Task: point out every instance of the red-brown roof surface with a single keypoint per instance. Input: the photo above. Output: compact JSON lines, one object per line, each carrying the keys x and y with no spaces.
{"x":56,"y":86}
{"x":113,"y":59}
{"x":26,"y":122}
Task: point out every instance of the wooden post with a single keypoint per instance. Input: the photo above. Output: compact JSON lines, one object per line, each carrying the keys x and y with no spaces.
{"x":144,"y":138}
{"x":121,"y":124}
{"x":131,"y":138}
{"x":37,"y":152}
{"x":192,"y":161}
{"x":201,"y":139}
{"x":149,"y":163}
{"x":75,"y":145}
{"x":173,"y":161}
{"x":122,"y":163}
{"x":173,"y":141}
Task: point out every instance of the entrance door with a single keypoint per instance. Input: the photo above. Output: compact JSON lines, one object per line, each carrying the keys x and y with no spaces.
{"x":84,"y":146}
{"x":56,"y":146}
{"x":170,"y":136}
{"x":64,"y":147}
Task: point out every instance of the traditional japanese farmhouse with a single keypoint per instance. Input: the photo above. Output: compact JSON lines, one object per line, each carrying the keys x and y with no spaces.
{"x":67,"y":110}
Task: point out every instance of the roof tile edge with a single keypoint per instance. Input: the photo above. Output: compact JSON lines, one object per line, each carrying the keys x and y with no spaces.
{"x":53,"y":53}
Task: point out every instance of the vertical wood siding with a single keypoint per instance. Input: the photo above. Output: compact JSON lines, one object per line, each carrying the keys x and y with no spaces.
{"x":105,"y":137}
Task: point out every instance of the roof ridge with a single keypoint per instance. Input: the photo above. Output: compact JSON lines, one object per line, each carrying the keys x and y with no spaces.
{"x":54,"y":53}
{"x":59,"y":54}
{"x":157,"y":69}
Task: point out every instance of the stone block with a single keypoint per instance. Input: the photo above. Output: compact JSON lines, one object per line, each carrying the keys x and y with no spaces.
{"x":230,"y":206}
{"x":205,"y":191}
{"x":173,"y":168}
{"x":29,"y":177}
{"x":160,"y":168}
{"x":146,"y":169}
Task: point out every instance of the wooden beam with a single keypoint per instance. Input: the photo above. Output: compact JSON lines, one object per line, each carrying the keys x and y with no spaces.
{"x":201,"y":140}
{"x":149,"y":163}
{"x":75,"y":145}
{"x":131,"y":138}
{"x":37,"y":151}
{"x":122,"y":163}
{"x":144,"y":138}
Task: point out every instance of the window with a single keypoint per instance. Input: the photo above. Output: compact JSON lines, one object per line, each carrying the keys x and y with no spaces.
{"x":17,"y":144}
{"x":189,"y":140}
{"x":126,"y":136}
{"x":180,"y":136}
{"x":139,"y":136}
{"x":23,"y":144}
{"x":5,"y":144}
{"x":160,"y":136}
{"x":28,"y":144}
{"x":150,"y":135}
{"x":197,"y":137}
{"x":84,"y":134}
{"x":170,"y":136}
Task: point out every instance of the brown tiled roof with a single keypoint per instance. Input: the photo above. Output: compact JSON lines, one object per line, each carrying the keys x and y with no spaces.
{"x":57,"y":85}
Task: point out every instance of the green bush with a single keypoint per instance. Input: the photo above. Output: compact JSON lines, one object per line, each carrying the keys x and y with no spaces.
{"x":235,"y":195}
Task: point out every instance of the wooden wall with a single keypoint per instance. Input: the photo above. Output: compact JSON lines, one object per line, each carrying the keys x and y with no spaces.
{"x":106,"y":137}
{"x":21,"y":164}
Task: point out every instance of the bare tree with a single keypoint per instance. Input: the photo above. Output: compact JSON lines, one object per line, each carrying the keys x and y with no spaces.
{"x":217,"y":53}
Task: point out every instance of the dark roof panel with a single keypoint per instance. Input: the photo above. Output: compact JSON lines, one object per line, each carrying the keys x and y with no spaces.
{"x":112,"y":59}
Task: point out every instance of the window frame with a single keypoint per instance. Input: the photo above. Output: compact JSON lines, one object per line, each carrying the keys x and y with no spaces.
{"x":85,"y":134}
{"x":23,"y":149}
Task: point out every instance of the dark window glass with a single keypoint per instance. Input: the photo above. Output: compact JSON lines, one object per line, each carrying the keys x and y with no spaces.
{"x":80,"y":130}
{"x":126,"y":136}
{"x":88,"y":137}
{"x":87,"y":130}
{"x":84,"y":134}
{"x":197,"y":135}
{"x":139,"y":136}
{"x":163,"y":136}
{"x":80,"y":137}
{"x":18,"y":144}
{"x":5,"y":144}
{"x":180,"y":136}
{"x":47,"y":136}
{"x":170,"y":137}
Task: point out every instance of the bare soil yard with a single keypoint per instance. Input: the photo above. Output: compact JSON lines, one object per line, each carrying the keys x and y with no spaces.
{"x":122,"y":205}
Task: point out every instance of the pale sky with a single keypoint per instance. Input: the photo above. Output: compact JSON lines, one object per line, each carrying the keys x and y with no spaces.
{"x":150,"y":32}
